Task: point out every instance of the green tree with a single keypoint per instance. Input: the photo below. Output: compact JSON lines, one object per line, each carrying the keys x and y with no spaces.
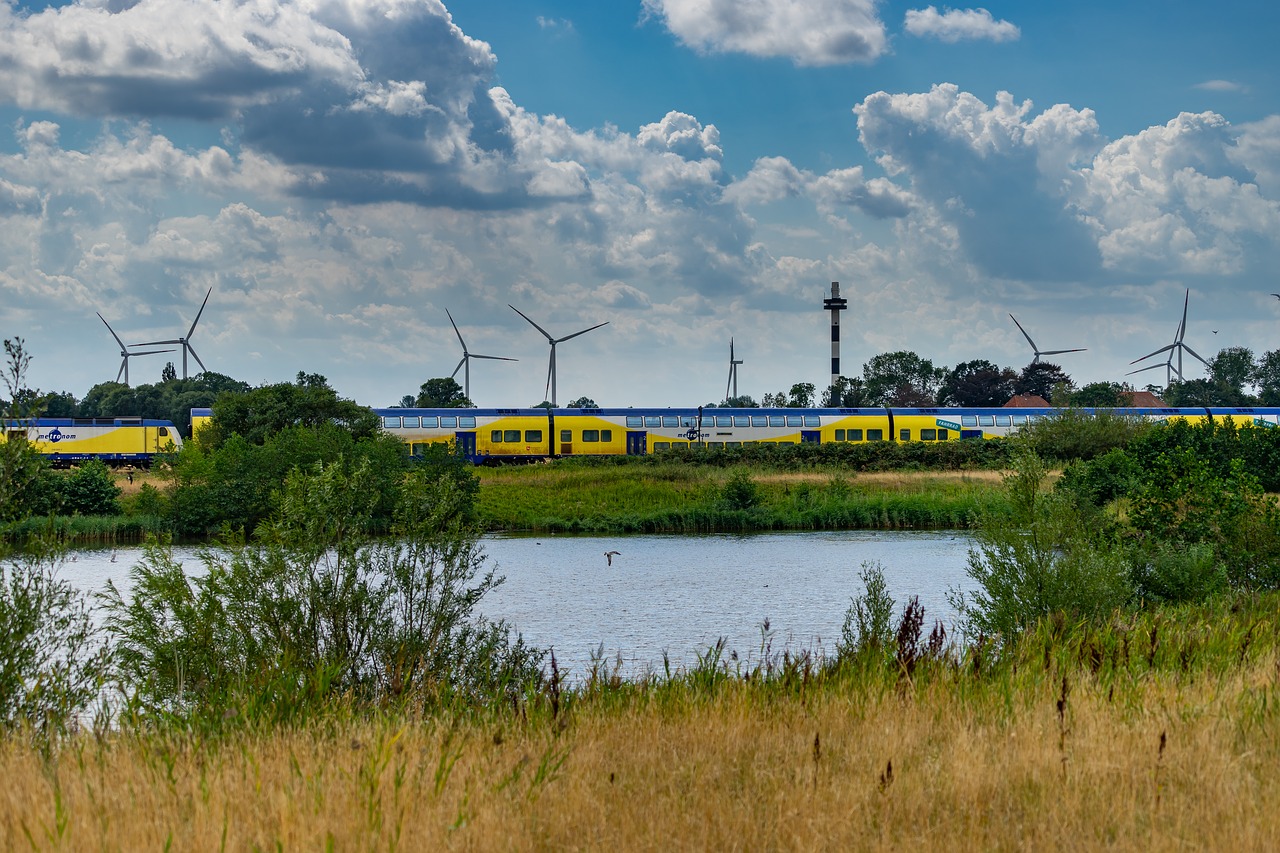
{"x":847,"y":392}
{"x":1193,"y":393}
{"x":801,"y":396}
{"x":1231,"y":370}
{"x":169,"y":373}
{"x":744,"y":401}
{"x":583,"y":403}
{"x":61,"y":404}
{"x":1266,"y":378}
{"x":408,"y":401}
{"x":90,"y":490}
{"x":1100,"y":395}
{"x":1040,"y":379}
{"x":977,"y":383}
{"x":902,"y":379}
{"x":309,"y":402}
{"x":442,"y":393}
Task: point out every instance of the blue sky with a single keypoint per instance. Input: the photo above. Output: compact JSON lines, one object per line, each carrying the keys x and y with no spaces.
{"x":340,"y":173}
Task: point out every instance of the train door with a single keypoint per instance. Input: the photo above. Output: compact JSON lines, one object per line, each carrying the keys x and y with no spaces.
{"x":466,"y":443}
{"x":810,"y":436}
{"x":636,"y":443}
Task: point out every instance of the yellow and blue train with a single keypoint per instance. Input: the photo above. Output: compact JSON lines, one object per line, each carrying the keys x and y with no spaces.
{"x":115,"y":441}
{"x":511,"y":435}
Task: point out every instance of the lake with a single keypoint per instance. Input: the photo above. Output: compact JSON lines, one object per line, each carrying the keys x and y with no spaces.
{"x":676,"y":594}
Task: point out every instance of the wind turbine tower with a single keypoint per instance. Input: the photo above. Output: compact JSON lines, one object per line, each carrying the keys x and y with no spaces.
{"x":733,"y":374}
{"x":551,"y":368}
{"x":835,"y":305}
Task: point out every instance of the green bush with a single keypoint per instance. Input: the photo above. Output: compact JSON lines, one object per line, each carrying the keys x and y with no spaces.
{"x":1177,"y":574}
{"x":314,"y":608}
{"x":1038,"y":557}
{"x":868,"y":623}
{"x":740,"y":492}
{"x":89,"y":490}
{"x":1100,"y":480}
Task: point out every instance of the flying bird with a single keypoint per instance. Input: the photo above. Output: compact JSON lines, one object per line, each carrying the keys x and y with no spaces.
{"x":609,"y":555}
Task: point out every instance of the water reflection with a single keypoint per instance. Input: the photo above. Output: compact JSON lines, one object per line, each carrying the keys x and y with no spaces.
{"x":674,"y":594}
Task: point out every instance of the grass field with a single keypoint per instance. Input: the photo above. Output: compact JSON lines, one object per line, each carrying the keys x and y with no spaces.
{"x":679,"y":498}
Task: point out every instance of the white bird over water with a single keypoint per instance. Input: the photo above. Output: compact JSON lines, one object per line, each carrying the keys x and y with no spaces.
{"x":609,"y":555}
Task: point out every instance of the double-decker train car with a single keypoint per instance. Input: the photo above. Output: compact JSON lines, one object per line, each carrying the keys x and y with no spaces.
{"x":496,"y":435}
{"x":115,"y":441}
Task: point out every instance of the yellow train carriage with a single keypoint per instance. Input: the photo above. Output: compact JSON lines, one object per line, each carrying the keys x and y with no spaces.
{"x":115,"y":441}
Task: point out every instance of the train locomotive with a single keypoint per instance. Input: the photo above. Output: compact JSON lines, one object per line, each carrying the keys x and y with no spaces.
{"x":115,"y":441}
{"x":516,"y":435}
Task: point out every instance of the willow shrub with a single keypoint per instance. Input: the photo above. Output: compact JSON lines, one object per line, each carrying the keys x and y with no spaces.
{"x":314,"y":608}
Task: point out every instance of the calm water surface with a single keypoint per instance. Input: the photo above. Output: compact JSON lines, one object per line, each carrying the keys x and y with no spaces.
{"x":676,"y":594}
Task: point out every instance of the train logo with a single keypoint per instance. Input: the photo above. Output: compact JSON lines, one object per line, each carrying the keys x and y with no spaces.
{"x":55,"y":435}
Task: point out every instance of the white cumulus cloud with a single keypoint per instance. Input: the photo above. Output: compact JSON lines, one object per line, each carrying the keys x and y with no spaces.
{"x":808,"y":32}
{"x":955,"y":25}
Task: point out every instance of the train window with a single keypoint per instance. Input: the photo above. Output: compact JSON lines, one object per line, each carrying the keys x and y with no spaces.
{"x":1019,"y":419}
{"x":452,"y":423}
{"x":670,"y":421}
{"x":723,"y":420}
{"x":591,"y":435}
{"x":968,"y":420}
{"x":875,"y":435}
{"x":854,"y":435}
{"x":733,"y":444}
{"x":566,"y":435}
{"x":986,"y":420}
{"x":715,"y":444}
{"x":511,"y":436}
{"x":812,"y":421}
{"x":904,"y":435}
{"x":430,"y":423}
{"x":606,"y":435}
{"x":661,"y":445}
{"x":391,"y":423}
{"x":839,"y":435}
{"x":795,"y":420}
{"x":496,"y":436}
{"x":777,"y":421}
{"x":687,"y":421}
{"x":1003,"y":420}
{"x":759,"y":421}
{"x":164,"y":431}
{"x":652,"y":421}
{"x":410,"y":423}
{"x":635,"y":421}
{"x":928,"y":435}
{"x":943,"y":435}
{"x":741,"y":420}
{"x":532,"y":436}
{"x":467,"y":422}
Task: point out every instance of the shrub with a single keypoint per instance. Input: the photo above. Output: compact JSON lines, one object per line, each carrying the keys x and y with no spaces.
{"x":1035,"y":558}
{"x":89,"y":490}
{"x":1176,"y":574}
{"x":740,"y":492}
{"x":867,"y":628}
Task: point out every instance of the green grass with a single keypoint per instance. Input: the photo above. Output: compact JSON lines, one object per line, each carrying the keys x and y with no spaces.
{"x":677,"y":498}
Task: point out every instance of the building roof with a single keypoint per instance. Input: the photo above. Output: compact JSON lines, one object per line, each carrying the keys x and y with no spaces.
{"x":1026,"y":401}
{"x":1142,"y":399}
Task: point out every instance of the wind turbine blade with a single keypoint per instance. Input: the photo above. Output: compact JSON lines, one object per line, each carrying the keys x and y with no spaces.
{"x":1165,"y":348}
{"x":551,"y":372}
{"x":1182,"y":327}
{"x":461,"y":362}
{"x":197,"y":319}
{"x":456,"y":332}
{"x":583,"y":332}
{"x":1196,"y":354}
{"x":1024,"y":332}
{"x":1061,"y":351}
{"x":113,"y":334}
{"x":197,"y":358}
{"x":1148,"y":367}
{"x":494,"y":357}
{"x":728,"y":381}
{"x":531,"y":323}
{"x":157,"y":343}
{"x":124,"y":362}
{"x":150,"y":352}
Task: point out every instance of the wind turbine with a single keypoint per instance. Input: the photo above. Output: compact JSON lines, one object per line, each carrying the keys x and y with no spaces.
{"x":1177,"y":346}
{"x":185,"y":342}
{"x":125,"y":355}
{"x":466,"y":359}
{"x":551,"y":368}
{"x":733,"y":374}
{"x":1035,"y":349}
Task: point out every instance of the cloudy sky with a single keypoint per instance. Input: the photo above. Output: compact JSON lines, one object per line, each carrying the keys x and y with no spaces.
{"x":341,"y":172}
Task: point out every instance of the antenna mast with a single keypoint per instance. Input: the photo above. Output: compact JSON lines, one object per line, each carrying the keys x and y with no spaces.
{"x":835,"y":305}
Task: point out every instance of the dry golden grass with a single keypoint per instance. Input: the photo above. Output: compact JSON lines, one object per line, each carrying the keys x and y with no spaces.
{"x":973,"y":767}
